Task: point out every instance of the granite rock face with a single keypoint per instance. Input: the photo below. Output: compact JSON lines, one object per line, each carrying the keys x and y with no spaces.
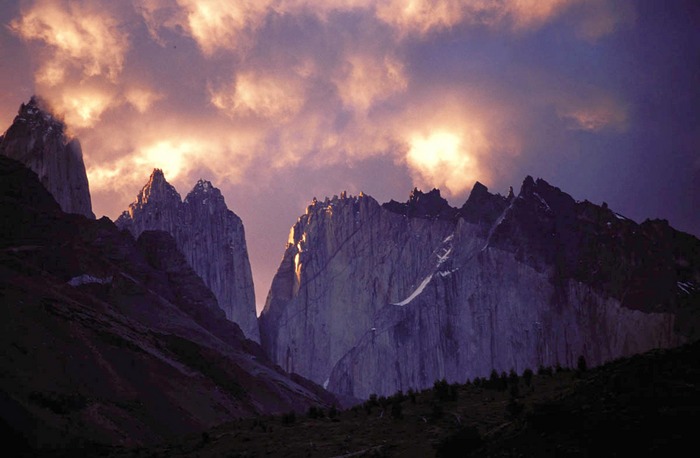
{"x":38,"y":140}
{"x":210,"y":236}
{"x":345,"y":259}
{"x":375,"y":299}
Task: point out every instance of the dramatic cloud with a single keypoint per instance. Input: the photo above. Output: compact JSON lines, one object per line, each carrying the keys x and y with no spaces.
{"x":78,"y":35}
{"x":279,"y":100}
{"x":363,"y":81}
{"x":266,"y":96}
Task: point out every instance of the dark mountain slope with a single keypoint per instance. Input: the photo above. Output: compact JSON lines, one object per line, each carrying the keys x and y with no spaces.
{"x":108,"y":340}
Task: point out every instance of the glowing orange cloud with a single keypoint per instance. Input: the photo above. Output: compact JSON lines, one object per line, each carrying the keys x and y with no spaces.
{"x":447,"y":159}
{"x":223,"y":24}
{"x":421,"y":15}
{"x":141,"y":98}
{"x":266,"y":96}
{"x":289,"y":106}
{"x":79,"y":36}
{"x":364,"y":80}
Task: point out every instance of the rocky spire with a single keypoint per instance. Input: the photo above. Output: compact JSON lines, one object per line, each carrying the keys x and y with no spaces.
{"x":421,"y":204}
{"x":482,"y":206}
{"x":38,"y":139}
{"x":210,"y":236}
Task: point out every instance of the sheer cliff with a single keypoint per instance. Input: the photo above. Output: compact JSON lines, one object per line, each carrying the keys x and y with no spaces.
{"x":210,"y":236}
{"x":374,"y":299}
{"x":38,"y":139}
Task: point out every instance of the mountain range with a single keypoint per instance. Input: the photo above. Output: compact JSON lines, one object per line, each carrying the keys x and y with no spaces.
{"x":374,"y":298}
{"x":112,"y":339}
{"x":137,"y":331}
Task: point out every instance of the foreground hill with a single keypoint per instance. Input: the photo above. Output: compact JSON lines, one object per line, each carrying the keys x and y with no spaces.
{"x":646,"y":405}
{"x":110,"y":340}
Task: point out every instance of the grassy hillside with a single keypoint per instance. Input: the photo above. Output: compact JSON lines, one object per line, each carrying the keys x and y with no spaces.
{"x":647,"y":404}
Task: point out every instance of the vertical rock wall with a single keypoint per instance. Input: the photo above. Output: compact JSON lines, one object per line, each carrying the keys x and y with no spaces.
{"x":373,"y":299}
{"x":38,"y":140}
{"x":210,"y":236}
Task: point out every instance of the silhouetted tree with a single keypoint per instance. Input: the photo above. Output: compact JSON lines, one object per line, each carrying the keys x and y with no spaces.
{"x":493,"y":379}
{"x":503,"y":381}
{"x":513,"y":377}
{"x":441,"y":390}
{"x":412,"y":395}
{"x":581,"y":364}
{"x":544,"y":370}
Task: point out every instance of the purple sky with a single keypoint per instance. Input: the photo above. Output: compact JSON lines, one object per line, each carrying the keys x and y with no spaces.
{"x":277,"y":102}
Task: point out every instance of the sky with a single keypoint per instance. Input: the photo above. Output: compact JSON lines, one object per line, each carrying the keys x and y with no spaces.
{"x":280,"y":101}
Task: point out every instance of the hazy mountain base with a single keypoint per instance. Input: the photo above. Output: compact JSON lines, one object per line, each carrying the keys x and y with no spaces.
{"x":646,"y":405}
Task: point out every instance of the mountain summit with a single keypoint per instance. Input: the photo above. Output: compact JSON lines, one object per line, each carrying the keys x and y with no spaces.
{"x":376,"y":299}
{"x":38,"y":139}
{"x":210,"y":236}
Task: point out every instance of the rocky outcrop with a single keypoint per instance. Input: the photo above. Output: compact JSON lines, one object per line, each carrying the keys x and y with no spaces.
{"x":345,"y":259}
{"x":210,"y":236}
{"x":38,"y":139}
{"x":423,"y":205}
{"x":370,"y":300}
{"x":108,"y":340}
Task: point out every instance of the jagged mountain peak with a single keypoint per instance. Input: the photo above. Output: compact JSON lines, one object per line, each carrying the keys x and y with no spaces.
{"x":37,"y":115}
{"x":157,"y":190}
{"x":330,"y":204}
{"x":37,"y":138}
{"x":210,"y":236}
{"x":157,"y":175}
{"x":203,"y":185}
{"x":421,"y":204}
{"x":204,"y":192}
{"x":388,"y":287}
{"x":478,"y":191}
{"x":482,"y":206}
{"x":129,"y":342}
{"x":547,"y":198}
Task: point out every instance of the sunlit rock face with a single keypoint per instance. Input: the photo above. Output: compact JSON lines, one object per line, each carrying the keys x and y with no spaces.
{"x":38,"y":140}
{"x":375,"y":299}
{"x":346,"y":259}
{"x":210,"y":236}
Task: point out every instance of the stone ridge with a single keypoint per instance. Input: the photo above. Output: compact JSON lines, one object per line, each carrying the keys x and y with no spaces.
{"x":482,"y":207}
{"x":423,"y":205}
{"x":639,"y":264}
{"x":370,"y":300}
{"x":38,"y":139}
{"x":211,"y":237}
